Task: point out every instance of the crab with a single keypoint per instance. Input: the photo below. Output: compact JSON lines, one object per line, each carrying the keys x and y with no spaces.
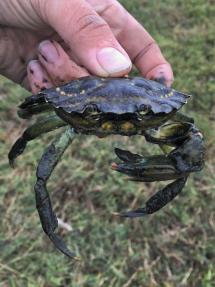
{"x":106,"y":106}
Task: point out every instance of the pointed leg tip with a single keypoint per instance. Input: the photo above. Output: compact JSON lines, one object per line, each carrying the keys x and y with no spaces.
{"x":133,"y":214}
{"x":61,"y":246}
{"x":116,"y":213}
{"x":12,"y":163}
{"x":73,"y":256}
{"x":124,"y":214}
{"x":121,"y":214}
{"x":76,"y":258}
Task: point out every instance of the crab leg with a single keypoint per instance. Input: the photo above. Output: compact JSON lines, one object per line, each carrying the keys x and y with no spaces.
{"x":158,"y":200}
{"x":181,"y":117}
{"x":34,"y":110}
{"x":33,"y":105}
{"x":40,"y":127}
{"x":46,"y":165}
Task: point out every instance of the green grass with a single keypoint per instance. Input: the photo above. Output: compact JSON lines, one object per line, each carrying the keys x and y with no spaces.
{"x":176,"y":246}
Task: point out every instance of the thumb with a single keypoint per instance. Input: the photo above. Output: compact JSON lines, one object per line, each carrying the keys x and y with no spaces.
{"x":89,"y":37}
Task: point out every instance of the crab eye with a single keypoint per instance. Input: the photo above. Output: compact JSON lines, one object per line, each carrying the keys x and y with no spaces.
{"x":142,"y":111}
{"x":92,"y":112}
{"x":91,"y":109}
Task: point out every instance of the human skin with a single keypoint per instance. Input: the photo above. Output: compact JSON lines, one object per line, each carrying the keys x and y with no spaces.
{"x":49,"y":42}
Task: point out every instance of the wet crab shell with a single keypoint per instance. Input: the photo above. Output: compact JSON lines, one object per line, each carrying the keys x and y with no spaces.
{"x":111,"y":95}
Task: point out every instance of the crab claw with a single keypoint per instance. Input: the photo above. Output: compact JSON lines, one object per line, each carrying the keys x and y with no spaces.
{"x":148,"y":169}
{"x":126,"y":155}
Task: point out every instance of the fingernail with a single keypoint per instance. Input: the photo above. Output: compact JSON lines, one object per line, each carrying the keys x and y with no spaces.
{"x":38,"y":78}
{"x":169,"y":82}
{"x":48,"y":51}
{"x":162,"y":74}
{"x":164,"y":80}
{"x":161,"y":80}
{"x":112,"y":61}
{"x":35,"y":69}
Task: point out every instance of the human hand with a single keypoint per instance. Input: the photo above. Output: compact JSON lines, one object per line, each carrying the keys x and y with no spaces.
{"x":84,"y":37}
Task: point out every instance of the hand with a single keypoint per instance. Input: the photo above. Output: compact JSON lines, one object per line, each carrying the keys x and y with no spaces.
{"x":81,"y":37}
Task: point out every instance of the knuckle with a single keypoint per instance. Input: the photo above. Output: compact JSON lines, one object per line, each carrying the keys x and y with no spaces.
{"x":151,"y":45}
{"x":112,"y":8}
{"x":89,"y":22}
{"x":118,"y":22}
{"x":61,"y":66}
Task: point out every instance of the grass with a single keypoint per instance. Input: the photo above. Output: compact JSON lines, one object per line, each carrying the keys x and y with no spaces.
{"x":174,"y":247}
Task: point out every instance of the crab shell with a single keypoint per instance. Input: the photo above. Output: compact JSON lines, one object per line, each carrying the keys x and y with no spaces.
{"x":90,"y":102}
{"x":115,"y":95}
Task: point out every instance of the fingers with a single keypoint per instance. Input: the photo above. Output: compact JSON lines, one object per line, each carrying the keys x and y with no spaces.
{"x":144,"y":52}
{"x":54,"y":67}
{"x":140,"y":46}
{"x":37,"y":77}
{"x":59,"y":66}
{"x":101,"y":36}
{"x":93,"y":42}
{"x":88,"y":36}
{"x":96,"y":42}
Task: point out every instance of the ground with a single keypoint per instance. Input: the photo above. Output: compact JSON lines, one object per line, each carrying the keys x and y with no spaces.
{"x":174,"y":247}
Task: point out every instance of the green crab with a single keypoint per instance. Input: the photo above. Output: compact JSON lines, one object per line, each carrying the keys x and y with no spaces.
{"x":123,"y":106}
